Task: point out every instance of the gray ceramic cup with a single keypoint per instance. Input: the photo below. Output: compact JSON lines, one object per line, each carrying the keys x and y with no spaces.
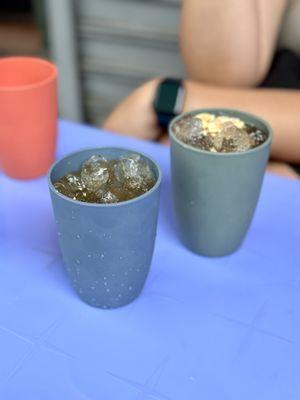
{"x":215,"y":194}
{"x":107,"y":248}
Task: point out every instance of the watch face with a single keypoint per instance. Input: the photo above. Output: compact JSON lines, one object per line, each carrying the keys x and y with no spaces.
{"x":167,"y":96}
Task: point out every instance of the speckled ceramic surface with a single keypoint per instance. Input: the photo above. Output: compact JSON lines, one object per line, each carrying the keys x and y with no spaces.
{"x":215,"y":194}
{"x":107,"y":248}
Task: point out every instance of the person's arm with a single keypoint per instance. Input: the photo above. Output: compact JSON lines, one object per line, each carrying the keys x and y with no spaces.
{"x":135,"y":115}
{"x":229,"y":42}
{"x":281,"y":108}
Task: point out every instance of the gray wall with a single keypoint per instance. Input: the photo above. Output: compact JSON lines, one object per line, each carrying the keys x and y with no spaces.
{"x":118,"y":44}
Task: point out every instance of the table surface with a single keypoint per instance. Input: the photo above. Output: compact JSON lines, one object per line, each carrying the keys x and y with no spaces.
{"x":213,"y":329}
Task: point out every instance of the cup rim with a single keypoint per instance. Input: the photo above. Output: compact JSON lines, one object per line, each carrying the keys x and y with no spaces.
{"x":53,"y":74}
{"x":101,"y":205}
{"x":229,"y":112}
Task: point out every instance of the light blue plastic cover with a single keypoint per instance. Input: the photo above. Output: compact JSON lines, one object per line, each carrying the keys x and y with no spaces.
{"x":213,"y":329}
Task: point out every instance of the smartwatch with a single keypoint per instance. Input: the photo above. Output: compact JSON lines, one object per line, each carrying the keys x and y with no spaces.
{"x":168,"y":101}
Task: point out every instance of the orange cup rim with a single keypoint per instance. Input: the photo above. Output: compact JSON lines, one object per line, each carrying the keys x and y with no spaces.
{"x":50,"y":78}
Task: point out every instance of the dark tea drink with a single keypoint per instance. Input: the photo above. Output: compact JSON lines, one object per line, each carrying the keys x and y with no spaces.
{"x":108,"y":181}
{"x":218,"y":133}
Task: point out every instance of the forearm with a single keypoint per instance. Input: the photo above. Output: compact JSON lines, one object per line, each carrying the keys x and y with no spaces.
{"x":229,"y":42}
{"x":135,"y":115}
{"x":277,"y":106}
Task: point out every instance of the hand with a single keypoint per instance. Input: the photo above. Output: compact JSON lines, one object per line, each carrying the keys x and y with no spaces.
{"x":135,"y":116}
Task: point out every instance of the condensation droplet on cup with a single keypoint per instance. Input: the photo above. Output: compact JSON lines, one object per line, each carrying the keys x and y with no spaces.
{"x":90,"y":231}
{"x":59,"y":233}
{"x":89,"y":256}
{"x":93,"y":287}
{"x":108,"y":289}
{"x":77,"y":261}
{"x":78,"y":236}
{"x":80,"y":290}
{"x":129,"y":287}
{"x":121,"y":258}
{"x":102,"y":256}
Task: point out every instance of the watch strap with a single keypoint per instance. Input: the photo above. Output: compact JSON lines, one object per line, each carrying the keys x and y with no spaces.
{"x":165,"y":115}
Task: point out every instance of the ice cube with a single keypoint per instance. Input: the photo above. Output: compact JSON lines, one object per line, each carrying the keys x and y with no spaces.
{"x":120,"y":191}
{"x":74,"y":181}
{"x":94,"y":172}
{"x":61,"y":187}
{"x":234,"y":138}
{"x":258,"y":137}
{"x":106,"y":196}
{"x":220,"y":133}
{"x":102,"y":181}
{"x":133,"y":172}
{"x":188,"y":129}
{"x":70,"y":184}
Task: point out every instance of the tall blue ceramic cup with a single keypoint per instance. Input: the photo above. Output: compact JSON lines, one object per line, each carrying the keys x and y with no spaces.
{"x":107,"y":248}
{"x":215,"y":194}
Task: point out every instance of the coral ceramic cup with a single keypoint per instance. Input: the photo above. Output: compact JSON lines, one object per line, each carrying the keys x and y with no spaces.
{"x":28,"y":116}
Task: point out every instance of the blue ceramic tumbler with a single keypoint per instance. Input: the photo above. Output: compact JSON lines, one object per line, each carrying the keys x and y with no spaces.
{"x":215,"y":194}
{"x":107,"y":248}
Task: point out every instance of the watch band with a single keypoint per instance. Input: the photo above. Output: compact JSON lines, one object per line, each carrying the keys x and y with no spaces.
{"x":168,"y":100}
{"x":164,"y":119}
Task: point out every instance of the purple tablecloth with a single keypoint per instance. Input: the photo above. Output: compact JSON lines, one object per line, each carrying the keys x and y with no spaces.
{"x":213,"y":329}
